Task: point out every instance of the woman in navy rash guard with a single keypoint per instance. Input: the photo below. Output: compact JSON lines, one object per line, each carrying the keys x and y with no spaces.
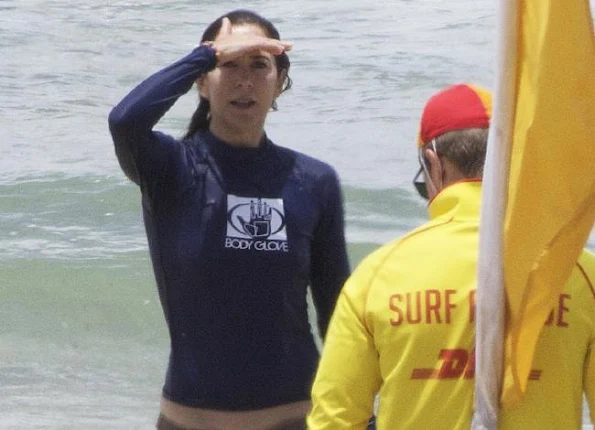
{"x":238,"y":228}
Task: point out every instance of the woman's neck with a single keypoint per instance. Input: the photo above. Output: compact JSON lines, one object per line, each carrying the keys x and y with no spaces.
{"x":247,"y":138}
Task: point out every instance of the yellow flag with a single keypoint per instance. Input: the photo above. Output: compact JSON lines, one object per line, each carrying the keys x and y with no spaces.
{"x":550,"y":207}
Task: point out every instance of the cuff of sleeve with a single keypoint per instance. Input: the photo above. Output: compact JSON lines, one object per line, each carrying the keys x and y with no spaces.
{"x":212,"y":53}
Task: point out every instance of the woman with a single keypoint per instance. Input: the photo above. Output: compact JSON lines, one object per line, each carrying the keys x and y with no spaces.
{"x":238,"y":227}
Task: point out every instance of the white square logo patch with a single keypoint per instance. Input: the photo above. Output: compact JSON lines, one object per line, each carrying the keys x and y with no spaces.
{"x":256,"y":223}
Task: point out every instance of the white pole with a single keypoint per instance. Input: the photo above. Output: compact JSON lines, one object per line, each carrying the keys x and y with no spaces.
{"x":490,"y":295}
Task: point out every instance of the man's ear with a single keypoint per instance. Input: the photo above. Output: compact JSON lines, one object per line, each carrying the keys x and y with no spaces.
{"x":203,"y":87}
{"x":436,"y":174}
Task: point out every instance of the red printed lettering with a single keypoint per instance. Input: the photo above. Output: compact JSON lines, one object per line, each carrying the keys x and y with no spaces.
{"x":414,"y":317}
{"x":429,"y":307}
{"x":562,"y":310}
{"x":433,"y":305}
{"x":449,"y":306}
{"x":472,"y":307}
{"x":457,"y":363}
{"x":558,"y":313}
{"x":392,"y":304}
{"x":454,"y":362}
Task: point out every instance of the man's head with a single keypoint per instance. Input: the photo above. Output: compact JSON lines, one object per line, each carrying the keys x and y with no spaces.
{"x":453,"y":137}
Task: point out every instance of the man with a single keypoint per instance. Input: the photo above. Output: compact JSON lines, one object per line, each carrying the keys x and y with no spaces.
{"x":403,"y":327}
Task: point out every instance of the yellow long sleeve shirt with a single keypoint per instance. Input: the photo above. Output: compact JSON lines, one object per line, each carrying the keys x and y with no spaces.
{"x":403,"y":328}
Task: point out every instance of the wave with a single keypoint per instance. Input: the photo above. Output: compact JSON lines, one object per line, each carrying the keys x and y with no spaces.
{"x":99,"y":217}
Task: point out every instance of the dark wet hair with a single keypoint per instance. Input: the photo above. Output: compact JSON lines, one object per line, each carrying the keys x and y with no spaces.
{"x":200,"y":118}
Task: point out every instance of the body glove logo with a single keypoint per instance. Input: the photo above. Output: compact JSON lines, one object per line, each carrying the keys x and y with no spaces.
{"x":255,"y":223}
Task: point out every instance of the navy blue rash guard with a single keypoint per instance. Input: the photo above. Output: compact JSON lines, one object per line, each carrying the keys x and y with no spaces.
{"x":236,"y":235}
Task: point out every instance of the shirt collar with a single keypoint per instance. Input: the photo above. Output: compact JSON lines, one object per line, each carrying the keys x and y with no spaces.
{"x":224,"y":151}
{"x":459,"y":200}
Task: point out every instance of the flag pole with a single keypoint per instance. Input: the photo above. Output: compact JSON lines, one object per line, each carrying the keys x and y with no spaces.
{"x":490,"y":295}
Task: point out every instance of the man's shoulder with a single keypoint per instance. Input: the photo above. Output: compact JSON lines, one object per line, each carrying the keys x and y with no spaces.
{"x":387,"y":252}
{"x":587,"y":258}
{"x":586,"y":264}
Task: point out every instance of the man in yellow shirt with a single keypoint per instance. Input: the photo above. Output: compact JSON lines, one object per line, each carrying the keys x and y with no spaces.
{"x":403,"y":328}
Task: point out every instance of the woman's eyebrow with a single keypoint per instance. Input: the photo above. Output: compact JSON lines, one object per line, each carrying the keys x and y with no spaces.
{"x":260,"y":57}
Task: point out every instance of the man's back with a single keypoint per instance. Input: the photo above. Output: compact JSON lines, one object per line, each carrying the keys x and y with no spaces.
{"x":422,"y":320}
{"x":414,"y":304}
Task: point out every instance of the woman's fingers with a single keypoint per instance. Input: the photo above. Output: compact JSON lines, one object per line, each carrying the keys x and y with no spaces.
{"x":240,"y":44}
{"x":225,"y":27}
{"x":230,"y":45}
{"x":231,"y":48}
{"x":273,"y":46}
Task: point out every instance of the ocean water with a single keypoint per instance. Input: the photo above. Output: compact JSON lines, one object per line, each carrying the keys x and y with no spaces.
{"x":83,"y":344}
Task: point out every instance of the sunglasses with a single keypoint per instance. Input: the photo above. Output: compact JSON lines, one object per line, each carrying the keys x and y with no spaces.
{"x":420,"y":184}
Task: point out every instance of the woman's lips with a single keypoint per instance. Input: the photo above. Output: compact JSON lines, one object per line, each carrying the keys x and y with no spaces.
{"x":243,"y":104}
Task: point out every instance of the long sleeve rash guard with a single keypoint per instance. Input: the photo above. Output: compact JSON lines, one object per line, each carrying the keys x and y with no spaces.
{"x":236,"y":235}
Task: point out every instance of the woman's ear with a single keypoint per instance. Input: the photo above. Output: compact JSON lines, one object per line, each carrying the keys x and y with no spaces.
{"x":203,"y":88}
{"x":280,"y":82}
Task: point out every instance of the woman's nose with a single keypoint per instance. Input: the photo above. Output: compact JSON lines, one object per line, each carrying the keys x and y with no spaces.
{"x":245,"y":77}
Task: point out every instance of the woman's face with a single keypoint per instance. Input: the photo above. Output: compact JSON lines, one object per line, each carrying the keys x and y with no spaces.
{"x":242,"y":91}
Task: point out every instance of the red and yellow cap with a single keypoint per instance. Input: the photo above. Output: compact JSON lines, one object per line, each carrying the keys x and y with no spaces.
{"x":455,"y":108}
